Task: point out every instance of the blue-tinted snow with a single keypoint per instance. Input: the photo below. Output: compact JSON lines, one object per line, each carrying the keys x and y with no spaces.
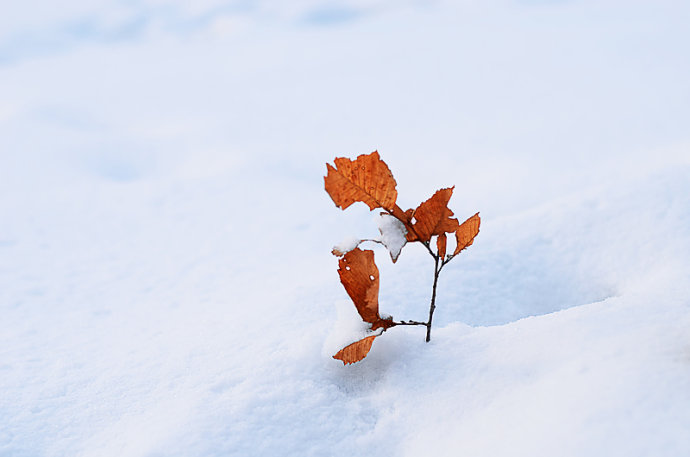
{"x":166,"y":283}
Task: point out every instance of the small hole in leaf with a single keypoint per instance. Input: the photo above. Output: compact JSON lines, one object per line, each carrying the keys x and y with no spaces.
{"x":347,"y":268}
{"x":371,"y":277}
{"x":413,"y":220}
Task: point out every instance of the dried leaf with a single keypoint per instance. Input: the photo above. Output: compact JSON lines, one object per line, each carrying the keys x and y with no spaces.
{"x":441,"y":245}
{"x":366,"y":179}
{"x":433,"y":217}
{"x":356,"y":351}
{"x":360,"y":277}
{"x":465,"y":234}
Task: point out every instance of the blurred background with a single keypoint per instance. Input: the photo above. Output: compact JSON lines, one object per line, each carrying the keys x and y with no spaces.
{"x":541,"y":96}
{"x":201,"y":129}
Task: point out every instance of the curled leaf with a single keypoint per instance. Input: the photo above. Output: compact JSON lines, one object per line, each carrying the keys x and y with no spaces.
{"x":360,"y":277}
{"x":356,"y":351}
{"x":433,"y":217}
{"x":441,"y":241}
{"x":366,"y":179}
{"x":466,"y":232}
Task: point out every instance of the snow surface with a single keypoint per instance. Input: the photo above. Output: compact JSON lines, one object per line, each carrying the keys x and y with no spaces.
{"x":166,"y":282}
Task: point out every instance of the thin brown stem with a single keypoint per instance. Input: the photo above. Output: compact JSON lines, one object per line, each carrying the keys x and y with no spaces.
{"x":438,"y":266}
{"x":371,"y":240}
{"x":432,"y":307}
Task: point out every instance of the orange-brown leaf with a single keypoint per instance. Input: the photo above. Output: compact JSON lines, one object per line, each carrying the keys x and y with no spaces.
{"x":366,"y":179}
{"x":433,"y":217}
{"x":441,"y":241}
{"x":356,"y":351}
{"x":465,"y":234}
{"x":360,"y":277}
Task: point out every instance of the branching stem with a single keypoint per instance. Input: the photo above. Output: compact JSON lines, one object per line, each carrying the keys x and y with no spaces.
{"x":439,"y":263}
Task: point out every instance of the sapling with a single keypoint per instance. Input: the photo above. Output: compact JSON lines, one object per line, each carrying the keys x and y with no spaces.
{"x":368,"y":179}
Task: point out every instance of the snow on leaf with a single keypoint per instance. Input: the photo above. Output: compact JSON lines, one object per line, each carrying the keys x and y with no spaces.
{"x":356,"y":270}
{"x":345,"y":246}
{"x":433,"y":217}
{"x":465,"y":234}
{"x":356,"y":351}
{"x":366,"y":179}
{"x":393,"y":234}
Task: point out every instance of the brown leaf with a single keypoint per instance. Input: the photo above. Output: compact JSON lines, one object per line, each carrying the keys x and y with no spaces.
{"x":441,"y":245}
{"x":366,"y":179}
{"x":465,"y":234}
{"x":433,"y":217}
{"x":356,"y":351}
{"x":360,"y":277}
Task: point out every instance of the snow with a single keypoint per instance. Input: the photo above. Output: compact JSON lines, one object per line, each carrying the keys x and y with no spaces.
{"x":166,"y":282}
{"x":392,"y":234}
{"x":346,"y":245}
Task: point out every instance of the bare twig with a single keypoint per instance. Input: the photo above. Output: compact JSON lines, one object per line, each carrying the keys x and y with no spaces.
{"x":432,"y":307}
{"x":439,"y":263}
{"x":410,"y":323}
